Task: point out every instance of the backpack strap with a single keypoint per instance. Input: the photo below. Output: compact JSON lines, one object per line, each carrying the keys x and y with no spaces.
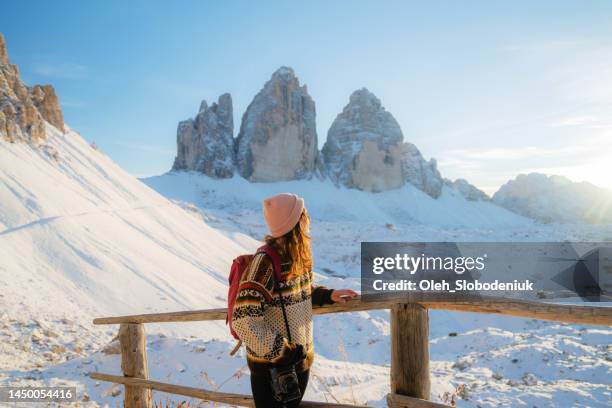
{"x":275,"y":258}
{"x":276,"y":267}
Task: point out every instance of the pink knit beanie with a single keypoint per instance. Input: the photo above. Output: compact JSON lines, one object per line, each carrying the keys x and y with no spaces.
{"x":282,"y":212}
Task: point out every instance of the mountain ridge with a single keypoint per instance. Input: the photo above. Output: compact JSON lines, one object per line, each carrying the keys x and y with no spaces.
{"x":555,"y":199}
{"x":23,"y":109}
{"x":277,"y":141}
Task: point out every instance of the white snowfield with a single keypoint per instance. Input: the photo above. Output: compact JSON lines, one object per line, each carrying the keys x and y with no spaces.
{"x":80,"y":238}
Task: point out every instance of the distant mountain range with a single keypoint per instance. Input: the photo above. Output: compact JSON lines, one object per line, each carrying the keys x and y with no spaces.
{"x":277,"y":141}
{"x":364,"y":150}
{"x":555,"y":199}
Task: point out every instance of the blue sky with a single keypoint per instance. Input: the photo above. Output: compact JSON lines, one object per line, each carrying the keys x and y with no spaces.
{"x":490,"y":89}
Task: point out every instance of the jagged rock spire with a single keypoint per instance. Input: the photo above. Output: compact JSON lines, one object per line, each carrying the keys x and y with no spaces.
{"x":23,"y":110}
{"x":278,"y":136}
{"x":206,"y":143}
{"x":365,"y":150}
{"x":4,"y":59}
{"x":48,"y":105}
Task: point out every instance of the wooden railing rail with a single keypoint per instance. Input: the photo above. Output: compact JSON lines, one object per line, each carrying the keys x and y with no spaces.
{"x":519,"y":308}
{"x":410,"y":379}
{"x":240,"y":399}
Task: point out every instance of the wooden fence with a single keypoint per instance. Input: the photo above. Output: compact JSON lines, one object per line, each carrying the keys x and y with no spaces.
{"x":410,"y":379}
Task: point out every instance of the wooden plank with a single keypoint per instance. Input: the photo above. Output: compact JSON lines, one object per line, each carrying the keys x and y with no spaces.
{"x":186,"y":316}
{"x":596,"y":315}
{"x":402,"y":401}
{"x":134,"y":364}
{"x":198,"y":393}
{"x":410,"y":351}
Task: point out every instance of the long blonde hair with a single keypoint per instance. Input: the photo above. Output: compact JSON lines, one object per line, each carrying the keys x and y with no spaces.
{"x":295,"y":245}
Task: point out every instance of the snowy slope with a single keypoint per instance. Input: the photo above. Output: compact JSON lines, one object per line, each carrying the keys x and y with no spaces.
{"x":80,"y":237}
{"x":484,"y":360}
{"x":328,"y":203}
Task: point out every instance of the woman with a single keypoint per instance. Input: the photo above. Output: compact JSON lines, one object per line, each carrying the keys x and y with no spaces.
{"x":258,"y":315}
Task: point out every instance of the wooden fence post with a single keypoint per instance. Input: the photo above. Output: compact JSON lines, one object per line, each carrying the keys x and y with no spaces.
{"x":409,"y":352}
{"x":134,"y":364}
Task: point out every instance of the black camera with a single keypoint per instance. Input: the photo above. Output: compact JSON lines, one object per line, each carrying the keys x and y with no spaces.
{"x":285,"y":383}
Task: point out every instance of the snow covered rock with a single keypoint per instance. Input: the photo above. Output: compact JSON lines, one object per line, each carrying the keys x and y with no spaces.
{"x":206,"y":143}
{"x":47,"y":103}
{"x":365,"y":150}
{"x":278,"y":136}
{"x":419,"y":172}
{"x":555,"y":199}
{"x":23,"y":110}
{"x":467,"y":190}
{"x":19,"y":120}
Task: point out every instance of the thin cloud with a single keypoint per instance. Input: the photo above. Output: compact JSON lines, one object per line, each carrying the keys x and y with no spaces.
{"x":466,"y":156}
{"x":593,"y":145}
{"x":59,"y":70}
{"x":72,"y":103}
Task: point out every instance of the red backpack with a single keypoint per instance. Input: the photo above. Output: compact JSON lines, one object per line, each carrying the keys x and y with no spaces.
{"x":239,"y":265}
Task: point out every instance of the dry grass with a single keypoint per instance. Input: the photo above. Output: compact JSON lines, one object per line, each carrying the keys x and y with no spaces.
{"x":183,"y":404}
{"x":451,"y":398}
{"x":328,"y":392}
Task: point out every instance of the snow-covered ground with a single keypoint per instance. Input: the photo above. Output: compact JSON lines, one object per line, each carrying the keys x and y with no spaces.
{"x":486,"y":360}
{"x":80,"y":238}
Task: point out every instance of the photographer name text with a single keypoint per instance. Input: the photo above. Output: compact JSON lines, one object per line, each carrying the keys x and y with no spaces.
{"x":452,"y":286}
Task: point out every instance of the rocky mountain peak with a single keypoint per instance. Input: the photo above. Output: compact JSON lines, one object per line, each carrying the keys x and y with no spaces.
{"x":47,"y":102}
{"x":205,"y":143}
{"x":278,"y":137}
{"x":365,"y":146}
{"x":365,"y":111}
{"x":365,"y":150}
{"x":203,"y":105}
{"x":284,"y":73}
{"x":4,"y":59}
{"x":225,"y":111}
{"x":550,"y":198}
{"x":24,"y":110}
{"x":285,"y":78}
{"x":467,"y":190}
{"x":363,"y":97}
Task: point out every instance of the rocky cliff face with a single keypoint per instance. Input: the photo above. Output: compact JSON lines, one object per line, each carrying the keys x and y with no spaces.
{"x":47,"y":103}
{"x":278,"y":142}
{"x":206,"y":143}
{"x":365,"y":150}
{"x":23,"y":110}
{"x":363,"y":146}
{"x":467,"y":190}
{"x":419,"y":172}
{"x":278,"y":137}
{"x":4,"y":59}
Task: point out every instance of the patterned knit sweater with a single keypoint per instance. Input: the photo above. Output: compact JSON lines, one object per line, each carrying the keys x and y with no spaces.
{"x":258,"y":316}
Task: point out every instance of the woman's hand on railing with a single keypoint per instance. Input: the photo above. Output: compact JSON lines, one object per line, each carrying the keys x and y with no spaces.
{"x":343,"y":295}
